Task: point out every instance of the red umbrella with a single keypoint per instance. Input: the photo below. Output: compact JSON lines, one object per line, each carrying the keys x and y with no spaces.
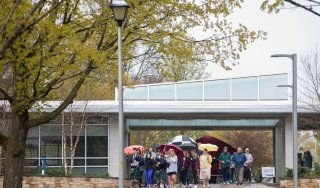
{"x":221,"y":144}
{"x":129,"y":150}
{"x":166,"y":147}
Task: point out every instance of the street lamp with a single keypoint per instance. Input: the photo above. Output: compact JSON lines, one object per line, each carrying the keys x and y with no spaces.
{"x":119,"y":9}
{"x":293,"y":57}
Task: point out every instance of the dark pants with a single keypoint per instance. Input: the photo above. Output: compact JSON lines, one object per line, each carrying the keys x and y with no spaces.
{"x":247,"y":174}
{"x":232,"y":174}
{"x":184,"y":176}
{"x":193,"y":177}
{"x":225,"y":174}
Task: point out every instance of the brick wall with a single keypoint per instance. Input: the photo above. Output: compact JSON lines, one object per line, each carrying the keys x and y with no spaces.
{"x":67,"y":182}
{"x":303,"y":183}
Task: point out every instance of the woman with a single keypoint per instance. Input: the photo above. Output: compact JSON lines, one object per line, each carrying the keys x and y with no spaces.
{"x":149,"y":165}
{"x":193,"y":167}
{"x":161,"y":167}
{"x":247,"y":165}
{"x":205,"y":167}
{"x":172,"y":159}
{"x":136,"y":165}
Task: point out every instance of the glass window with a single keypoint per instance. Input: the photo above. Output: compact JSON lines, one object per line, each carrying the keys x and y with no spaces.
{"x":53,"y":162}
{"x":245,"y":88}
{"x":136,"y":93}
{"x":32,"y":143}
{"x":51,"y":142}
{"x":217,"y":90}
{"x":76,"y":162}
{"x":269,"y":89}
{"x":189,"y":91}
{"x":161,"y":92}
{"x":97,"y":162}
{"x":77,"y":133}
{"x":97,"y":141}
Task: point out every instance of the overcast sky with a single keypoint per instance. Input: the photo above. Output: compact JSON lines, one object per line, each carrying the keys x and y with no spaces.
{"x":290,"y":31}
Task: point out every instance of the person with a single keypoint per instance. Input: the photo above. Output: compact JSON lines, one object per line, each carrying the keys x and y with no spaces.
{"x":205,"y":167}
{"x":149,"y":165}
{"x":153,"y":154}
{"x":225,"y":159}
{"x":307,"y":159}
{"x":185,"y":162}
{"x":232,"y":171}
{"x":160,"y":169}
{"x":239,"y":159}
{"x":248,"y":165}
{"x":136,"y":163}
{"x":172,"y":159}
{"x":194,"y":168}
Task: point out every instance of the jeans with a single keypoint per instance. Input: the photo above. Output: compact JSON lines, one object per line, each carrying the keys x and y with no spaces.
{"x":148,"y":174}
{"x":239,"y":175}
{"x":225,"y":174}
{"x":184,"y":177}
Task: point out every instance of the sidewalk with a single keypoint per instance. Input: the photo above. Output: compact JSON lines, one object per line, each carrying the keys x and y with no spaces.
{"x":253,"y":185}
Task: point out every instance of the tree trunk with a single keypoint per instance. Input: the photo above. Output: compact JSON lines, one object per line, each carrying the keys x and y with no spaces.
{"x":15,"y":152}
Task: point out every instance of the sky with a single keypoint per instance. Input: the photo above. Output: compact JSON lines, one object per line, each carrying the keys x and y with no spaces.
{"x":289,"y":31}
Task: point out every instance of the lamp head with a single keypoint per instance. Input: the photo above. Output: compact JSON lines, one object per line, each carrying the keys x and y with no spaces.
{"x":119,"y":9}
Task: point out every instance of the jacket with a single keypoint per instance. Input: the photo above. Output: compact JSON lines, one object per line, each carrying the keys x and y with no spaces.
{"x":149,"y":163}
{"x":239,"y":159}
{"x":194,"y":163}
{"x":205,"y":161}
{"x":225,"y":159}
{"x":249,"y":160}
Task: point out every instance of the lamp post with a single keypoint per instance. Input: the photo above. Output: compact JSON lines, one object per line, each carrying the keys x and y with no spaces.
{"x":293,"y":57}
{"x":119,"y":9}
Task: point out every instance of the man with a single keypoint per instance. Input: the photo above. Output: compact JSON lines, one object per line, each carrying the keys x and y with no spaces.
{"x":239,"y":159}
{"x":225,"y":159}
{"x":248,"y":165}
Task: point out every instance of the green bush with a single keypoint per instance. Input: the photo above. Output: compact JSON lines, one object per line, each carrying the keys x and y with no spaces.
{"x":55,"y":171}
{"x":317,"y":169}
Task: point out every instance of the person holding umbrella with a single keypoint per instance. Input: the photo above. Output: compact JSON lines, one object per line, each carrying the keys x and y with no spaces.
{"x":205,"y":167}
{"x":172,"y":169}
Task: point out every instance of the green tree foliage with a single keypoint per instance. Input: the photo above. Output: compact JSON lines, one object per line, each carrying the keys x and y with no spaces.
{"x":46,"y":45}
{"x":311,"y":6}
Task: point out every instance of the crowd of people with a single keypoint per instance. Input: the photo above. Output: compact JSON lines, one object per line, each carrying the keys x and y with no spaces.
{"x":164,"y":168}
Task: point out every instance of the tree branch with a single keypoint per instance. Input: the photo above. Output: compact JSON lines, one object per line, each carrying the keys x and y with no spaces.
{"x":14,"y":8}
{"x":6,"y":95}
{"x":302,"y":6}
{"x":73,"y":93}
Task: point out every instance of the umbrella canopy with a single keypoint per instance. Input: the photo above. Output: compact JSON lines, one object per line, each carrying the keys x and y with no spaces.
{"x":209,"y":147}
{"x":178,"y":140}
{"x":221,"y":144}
{"x":177,"y":150}
{"x":129,"y":150}
{"x":187,"y":146}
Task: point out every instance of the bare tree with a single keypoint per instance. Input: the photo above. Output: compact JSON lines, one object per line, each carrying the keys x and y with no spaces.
{"x":68,"y":131}
{"x":309,"y":79}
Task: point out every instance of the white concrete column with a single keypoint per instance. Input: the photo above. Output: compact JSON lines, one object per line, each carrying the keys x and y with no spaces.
{"x":288,"y":142}
{"x":113,"y":147}
{"x":279,"y":150}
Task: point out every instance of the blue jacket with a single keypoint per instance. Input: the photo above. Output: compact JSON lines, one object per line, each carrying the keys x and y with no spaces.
{"x":239,"y":159}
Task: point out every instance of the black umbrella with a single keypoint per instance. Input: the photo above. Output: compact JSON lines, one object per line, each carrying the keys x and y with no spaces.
{"x":187,"y":146}
{"x":178,"y":140}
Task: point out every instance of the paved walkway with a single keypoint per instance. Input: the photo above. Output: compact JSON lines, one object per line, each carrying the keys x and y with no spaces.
{"x":253,"y":185}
